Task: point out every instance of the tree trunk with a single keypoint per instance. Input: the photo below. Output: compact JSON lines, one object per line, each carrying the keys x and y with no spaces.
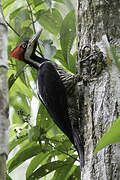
{"x":100,"y":89}
{"x":4,"y":123}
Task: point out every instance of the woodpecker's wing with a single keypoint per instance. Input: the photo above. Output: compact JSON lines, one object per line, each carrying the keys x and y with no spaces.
{"x":51,"y":91}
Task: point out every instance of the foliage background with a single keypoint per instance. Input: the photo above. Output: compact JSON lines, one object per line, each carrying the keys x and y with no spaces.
{"x":37,"y":146}
{"x":38,"y":149}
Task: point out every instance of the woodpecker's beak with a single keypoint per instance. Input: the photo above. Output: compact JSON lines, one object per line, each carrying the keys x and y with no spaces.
{"x":35,"y":37}
{"x":20,"y":51}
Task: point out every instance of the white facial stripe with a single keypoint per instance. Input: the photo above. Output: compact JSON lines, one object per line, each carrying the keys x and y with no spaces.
{"x":28,"y":54}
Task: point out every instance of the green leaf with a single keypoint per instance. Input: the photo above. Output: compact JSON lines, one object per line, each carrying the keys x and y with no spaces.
{"x":8,"y":177}
{"x":8,"y":3}
{"x":72,"y":64}
{"x":16,"y":142}
{"x":72,"y":61}
{"x":20,"y":88}
{"x":34,"y":74}
{"x":27,"y":35}
{"x":67,"y":34}
{"x":44,"y":119}
{"x":37,"y":3}
{"x":11,"y":80}
{"x":64,"y":172}
{"x":115,"y":57}
{"x":35,"y":133}
{"x":69,"y":5}
{"x":27,"y":151}
{"x":50,"y":20}
{"x":19,"y":20}
{"x":20,"y":103}
{"x":35,"y":162}
{"x":112,"y":136}
{"x":15,"y":13}
{"x":76,"y":173}
{"x":49,"y":49}
{"x":47,"y":168}
{"x":18,"y":134}
{"x":61,"y":1}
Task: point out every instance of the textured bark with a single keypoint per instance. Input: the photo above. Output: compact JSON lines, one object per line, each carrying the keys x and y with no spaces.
{"x":3,"y":167}
{"x":4,"y":123}
{"x":100,"y":88}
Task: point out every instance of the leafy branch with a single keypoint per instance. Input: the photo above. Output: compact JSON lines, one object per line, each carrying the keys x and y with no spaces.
{"x":63,"y":152}
{"x":32,"y":19}
{"x":12,"y":29}
{"x":31,"y":16}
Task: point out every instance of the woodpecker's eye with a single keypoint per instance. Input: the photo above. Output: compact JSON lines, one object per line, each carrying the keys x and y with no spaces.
{"x":24,"y":46}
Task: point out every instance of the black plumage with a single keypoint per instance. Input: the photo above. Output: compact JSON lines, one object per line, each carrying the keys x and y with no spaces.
{"x":52,"y":93}
{"x":57,"y":90}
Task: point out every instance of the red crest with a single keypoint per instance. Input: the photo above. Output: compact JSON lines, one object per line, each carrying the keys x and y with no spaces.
{"x":17,"y":53}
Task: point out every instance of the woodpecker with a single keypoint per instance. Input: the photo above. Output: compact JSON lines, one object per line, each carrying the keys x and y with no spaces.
{"x":57,"y":90}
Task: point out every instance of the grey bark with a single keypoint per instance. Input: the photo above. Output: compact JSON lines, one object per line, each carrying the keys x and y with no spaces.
{"x":4,"y":123}
{"x":100,"y":89}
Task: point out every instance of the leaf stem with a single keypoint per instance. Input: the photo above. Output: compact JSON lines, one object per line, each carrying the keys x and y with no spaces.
{"x":31,"y":16}
{"x":32,"y":19}
{"x":12,"y":29}
{"x":20,"y":35}
{"x":63,"y":152}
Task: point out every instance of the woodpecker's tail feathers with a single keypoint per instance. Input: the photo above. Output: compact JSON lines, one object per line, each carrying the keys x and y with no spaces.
{"x":80,"y":148}
{"x":77,"y":141}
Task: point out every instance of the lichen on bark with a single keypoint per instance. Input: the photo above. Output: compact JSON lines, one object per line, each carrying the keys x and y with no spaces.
{"x":100,"y":88}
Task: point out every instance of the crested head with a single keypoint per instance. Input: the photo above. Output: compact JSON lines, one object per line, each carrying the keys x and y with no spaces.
{"x":25,"y":51}
{"x":19,"y":51}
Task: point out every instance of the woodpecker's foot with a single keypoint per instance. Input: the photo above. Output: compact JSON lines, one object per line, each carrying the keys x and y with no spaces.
{"x":77,"y":78}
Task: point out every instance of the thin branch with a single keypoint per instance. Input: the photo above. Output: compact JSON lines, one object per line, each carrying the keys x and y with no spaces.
{"x":31,"y":16}
{"x":17,"y":75}
{"x":32,"y":19}
{"x":63,"y":152}
{"x":12,"y":29}
{"x":40,"y":53}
